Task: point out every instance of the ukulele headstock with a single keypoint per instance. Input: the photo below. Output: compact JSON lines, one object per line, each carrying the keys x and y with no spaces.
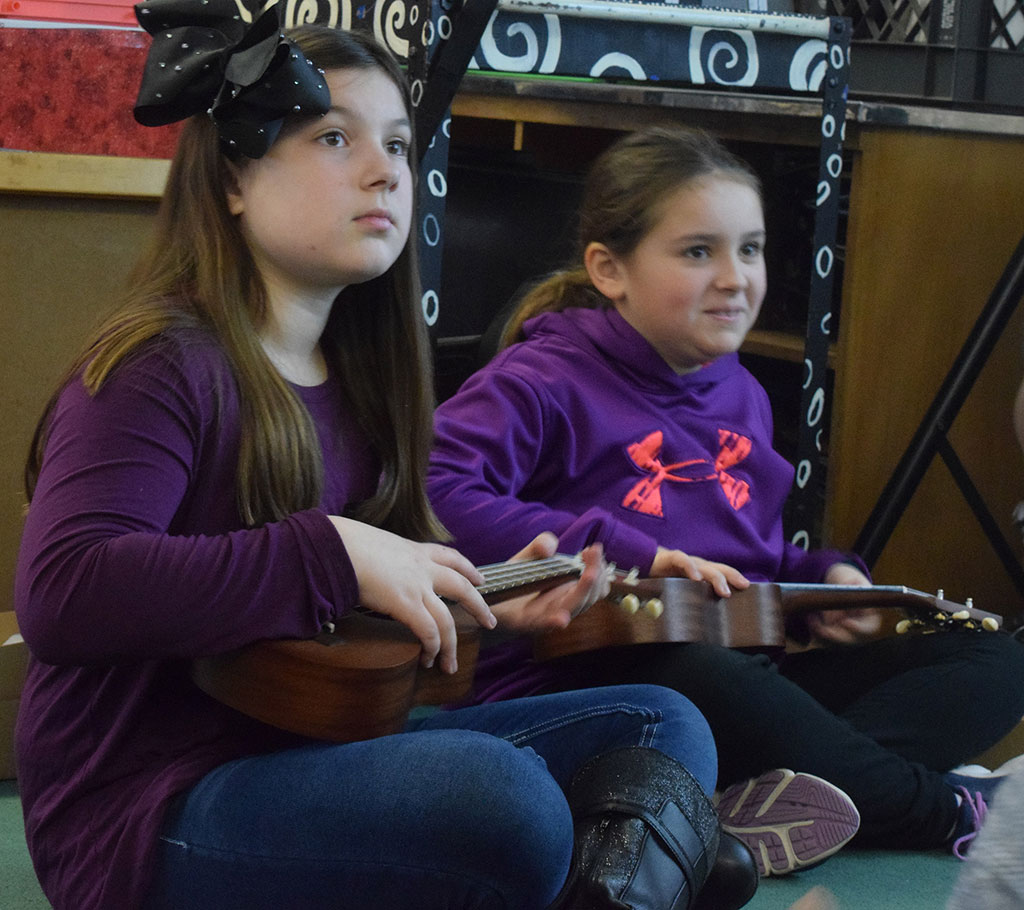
{"x":635,"y":595}
{"x":934,"y":614}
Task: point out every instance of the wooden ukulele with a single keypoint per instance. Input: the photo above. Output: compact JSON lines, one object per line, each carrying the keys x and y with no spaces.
{"x":652,"y":610}
{"x":361,"y":679}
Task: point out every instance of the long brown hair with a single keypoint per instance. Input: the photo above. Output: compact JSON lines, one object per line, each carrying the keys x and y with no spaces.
{"x":623,"y":197}
{"x":198,"y":271}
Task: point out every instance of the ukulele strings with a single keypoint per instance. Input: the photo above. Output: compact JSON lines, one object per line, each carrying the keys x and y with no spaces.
{"x":508,"y":575}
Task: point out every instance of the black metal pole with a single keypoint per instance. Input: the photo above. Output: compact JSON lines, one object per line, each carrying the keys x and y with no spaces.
{"x":940,"y":415}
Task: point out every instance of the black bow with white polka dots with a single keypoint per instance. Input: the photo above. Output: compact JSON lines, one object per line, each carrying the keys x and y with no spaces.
{"x":231,"y":61}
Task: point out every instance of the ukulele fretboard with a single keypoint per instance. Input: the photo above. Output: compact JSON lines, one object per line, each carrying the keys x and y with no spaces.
{"x":509,"y":576}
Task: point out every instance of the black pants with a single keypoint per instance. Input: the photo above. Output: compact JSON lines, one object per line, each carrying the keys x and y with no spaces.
{"x":880,"y":720}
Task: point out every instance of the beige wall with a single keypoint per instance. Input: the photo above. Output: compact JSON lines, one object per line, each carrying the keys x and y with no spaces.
{"x":62,"y":259}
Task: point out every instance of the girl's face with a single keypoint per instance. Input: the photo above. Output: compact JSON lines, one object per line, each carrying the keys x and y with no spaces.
{"x":331,"y":202}
{"x":694,"y":284}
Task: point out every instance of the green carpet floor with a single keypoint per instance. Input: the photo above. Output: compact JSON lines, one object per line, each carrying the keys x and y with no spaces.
{"x":19,"y":889}
{"x":868,"y":880}
{"x":858,"y":879}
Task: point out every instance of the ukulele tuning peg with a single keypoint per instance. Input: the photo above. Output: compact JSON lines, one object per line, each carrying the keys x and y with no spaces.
{"x":630,"y":604}
{"x":989,"y":624}
{"x":961,"y":616}
{"x":654,"y":608}
{"x":903,"y":626}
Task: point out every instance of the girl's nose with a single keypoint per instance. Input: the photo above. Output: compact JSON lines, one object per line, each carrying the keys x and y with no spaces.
{"x":382,"y":170}
{"x":732,"y":273}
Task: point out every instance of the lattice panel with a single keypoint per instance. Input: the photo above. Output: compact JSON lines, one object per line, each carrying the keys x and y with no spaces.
{"x":1007,"y":25}
{"x":888,"y":21}
{"x":909,"y":21}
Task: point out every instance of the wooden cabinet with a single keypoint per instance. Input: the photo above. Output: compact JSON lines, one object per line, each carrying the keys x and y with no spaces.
{"x":934,"y":218}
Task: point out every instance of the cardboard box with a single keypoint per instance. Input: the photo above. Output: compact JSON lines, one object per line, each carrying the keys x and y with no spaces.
{"x":13,"y":661}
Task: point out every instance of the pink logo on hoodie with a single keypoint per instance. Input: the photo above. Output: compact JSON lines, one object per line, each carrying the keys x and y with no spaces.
{"x":645,"y":496}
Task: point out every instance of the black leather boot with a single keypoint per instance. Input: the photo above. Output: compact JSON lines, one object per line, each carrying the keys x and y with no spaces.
{"x":647,"y":836}
{"x":733,"y":879}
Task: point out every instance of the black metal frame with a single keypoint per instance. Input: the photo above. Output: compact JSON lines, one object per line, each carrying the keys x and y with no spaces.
{"x":930,"y":438}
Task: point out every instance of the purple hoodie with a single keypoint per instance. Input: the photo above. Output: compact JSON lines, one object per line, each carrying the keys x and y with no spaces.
{"x":133,"y":561}
{"x":584,"y":430}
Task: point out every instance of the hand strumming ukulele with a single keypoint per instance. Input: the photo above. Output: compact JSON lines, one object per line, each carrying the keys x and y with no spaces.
{"x":361,"y":678}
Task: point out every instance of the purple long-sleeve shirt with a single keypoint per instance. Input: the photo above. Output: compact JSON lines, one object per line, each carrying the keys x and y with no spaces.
{"x":134,"y":560}
{"x":584,"y":430}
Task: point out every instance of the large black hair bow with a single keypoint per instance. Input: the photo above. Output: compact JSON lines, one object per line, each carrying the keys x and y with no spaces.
{"x":247,"y":76}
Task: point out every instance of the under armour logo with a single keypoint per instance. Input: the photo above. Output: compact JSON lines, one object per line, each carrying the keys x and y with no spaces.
{"x":645,"y":496}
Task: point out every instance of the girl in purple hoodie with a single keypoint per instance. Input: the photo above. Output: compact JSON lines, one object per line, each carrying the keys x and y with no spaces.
{"x":619,"y":413}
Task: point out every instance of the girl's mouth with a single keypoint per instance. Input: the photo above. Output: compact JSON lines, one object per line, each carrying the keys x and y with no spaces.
{"x":377,"y":220}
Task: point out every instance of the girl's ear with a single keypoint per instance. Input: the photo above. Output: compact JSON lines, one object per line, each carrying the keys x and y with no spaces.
{"x":236,"y":204}
{"x":604,"y":270}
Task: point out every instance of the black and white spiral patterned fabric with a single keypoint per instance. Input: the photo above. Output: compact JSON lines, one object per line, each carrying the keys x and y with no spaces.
{"x":722,"y":48}
{"x":718,"y":49}
{"x":806,"y":505}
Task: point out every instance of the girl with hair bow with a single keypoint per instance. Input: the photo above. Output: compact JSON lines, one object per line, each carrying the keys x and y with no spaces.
{"x":239,"y":455}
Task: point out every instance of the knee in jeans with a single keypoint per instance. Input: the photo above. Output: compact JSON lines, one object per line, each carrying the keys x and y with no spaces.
{"x":682,"y":731}
{"x":519,"y":820}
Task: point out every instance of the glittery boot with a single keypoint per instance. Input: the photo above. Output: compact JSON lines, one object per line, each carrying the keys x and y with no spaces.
{"x":646,"y":835}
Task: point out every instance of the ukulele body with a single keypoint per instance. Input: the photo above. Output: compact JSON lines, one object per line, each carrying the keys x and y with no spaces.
{"x":361,"y":680}
{"x":358,"y":682}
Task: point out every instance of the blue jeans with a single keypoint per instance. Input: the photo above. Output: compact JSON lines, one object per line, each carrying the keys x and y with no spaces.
{"x":464,"y":810}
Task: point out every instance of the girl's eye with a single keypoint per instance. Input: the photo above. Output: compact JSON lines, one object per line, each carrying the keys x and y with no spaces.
{"x":333,"y":138}
{"x":399,"y":147}
{"x":751,"y":250}
{"x":697,"y":252}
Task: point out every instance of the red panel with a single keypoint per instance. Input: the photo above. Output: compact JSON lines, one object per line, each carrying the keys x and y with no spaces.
{"x":94,"y":12}
{"x":72,"y":90}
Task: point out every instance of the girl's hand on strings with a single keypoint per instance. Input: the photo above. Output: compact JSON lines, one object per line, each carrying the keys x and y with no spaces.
{"x":554,"y":607}
{"x":407,"y":580}
{"x":845,"y":627}
{"x":677,"y":564}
